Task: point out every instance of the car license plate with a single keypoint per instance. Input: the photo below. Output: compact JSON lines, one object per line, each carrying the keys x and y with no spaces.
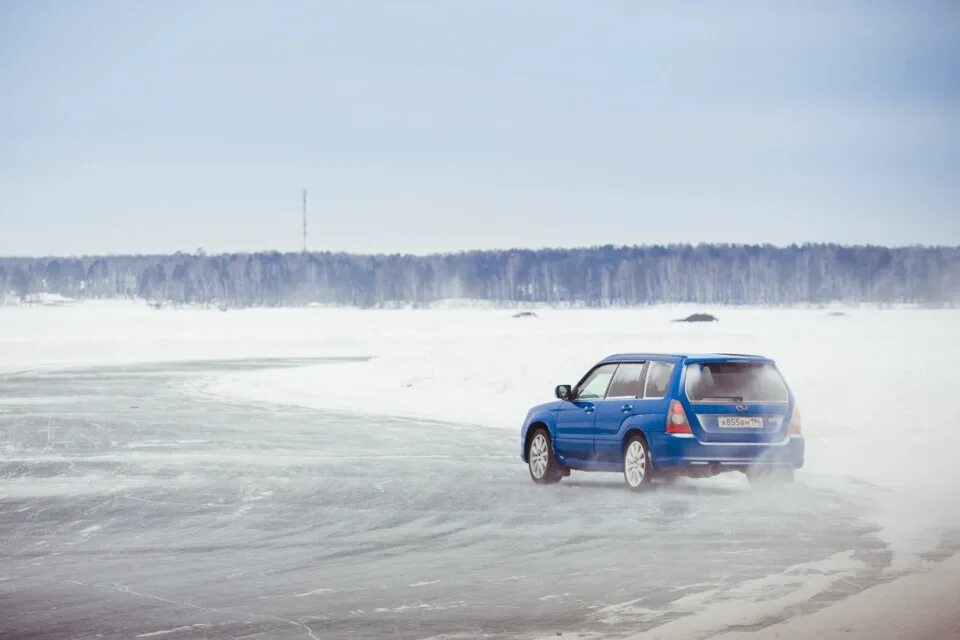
{"x":740,"y":422}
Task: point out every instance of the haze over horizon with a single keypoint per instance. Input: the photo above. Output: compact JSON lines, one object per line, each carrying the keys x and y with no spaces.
{"x":202,"y":251}
{"x":432,"y":127}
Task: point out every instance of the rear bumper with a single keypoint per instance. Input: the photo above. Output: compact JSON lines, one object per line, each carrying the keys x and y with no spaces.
{"x":671,"y":452}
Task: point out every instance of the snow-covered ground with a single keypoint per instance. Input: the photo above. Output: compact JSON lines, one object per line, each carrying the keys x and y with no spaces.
{"x":878,"y":387}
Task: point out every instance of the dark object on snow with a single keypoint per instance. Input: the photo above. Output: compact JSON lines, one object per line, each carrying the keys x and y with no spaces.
{"x":698,"y":317}
{"x":525,"y":314}
{"x":837,"y":314}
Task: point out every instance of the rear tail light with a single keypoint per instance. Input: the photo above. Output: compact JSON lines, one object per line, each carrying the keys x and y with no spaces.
{"x":677,"y":419}
{"x":795,"y":421}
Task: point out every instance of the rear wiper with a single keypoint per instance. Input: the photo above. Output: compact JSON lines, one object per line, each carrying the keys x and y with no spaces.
{"x":734,"y":398}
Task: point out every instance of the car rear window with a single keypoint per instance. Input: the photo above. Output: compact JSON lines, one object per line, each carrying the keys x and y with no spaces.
{"x":735,"y":382}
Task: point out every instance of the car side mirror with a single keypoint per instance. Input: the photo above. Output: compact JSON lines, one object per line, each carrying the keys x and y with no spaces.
{"x":563,"y":391}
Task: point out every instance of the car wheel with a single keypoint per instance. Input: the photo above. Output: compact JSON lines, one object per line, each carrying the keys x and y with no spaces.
{"x":540,"y":460}
{"x":636,"y":464}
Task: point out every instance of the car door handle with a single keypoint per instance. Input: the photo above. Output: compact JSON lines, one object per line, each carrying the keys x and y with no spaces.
{"x":626,"y":407}
{"x":588,"y":409}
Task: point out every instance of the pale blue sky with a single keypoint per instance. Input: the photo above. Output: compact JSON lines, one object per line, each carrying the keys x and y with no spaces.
{"x":436,"y":126}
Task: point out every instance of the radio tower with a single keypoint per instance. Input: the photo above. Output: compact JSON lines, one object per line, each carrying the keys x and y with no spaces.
{"x":304,"y":220}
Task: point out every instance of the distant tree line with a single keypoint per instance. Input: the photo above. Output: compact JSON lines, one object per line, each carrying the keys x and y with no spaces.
{"x":596,"y":276}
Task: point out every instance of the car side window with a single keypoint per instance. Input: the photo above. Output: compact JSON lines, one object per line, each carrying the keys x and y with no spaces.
{"x":658,"y":377}
{"x":596,"y":383}
{"x":626,"y":381}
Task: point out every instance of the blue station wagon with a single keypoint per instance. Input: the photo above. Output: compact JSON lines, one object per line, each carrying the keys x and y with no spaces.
{"x":659,"y":415}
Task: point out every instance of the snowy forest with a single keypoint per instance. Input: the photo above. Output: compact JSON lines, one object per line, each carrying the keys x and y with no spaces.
{"x":596,"y":276}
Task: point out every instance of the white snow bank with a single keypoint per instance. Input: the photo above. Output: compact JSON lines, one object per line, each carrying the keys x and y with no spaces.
{"x":117,"y":332}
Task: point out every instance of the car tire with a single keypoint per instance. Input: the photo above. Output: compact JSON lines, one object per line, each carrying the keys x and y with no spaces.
{"x":541,"y":461}
{"x":637,"y":470}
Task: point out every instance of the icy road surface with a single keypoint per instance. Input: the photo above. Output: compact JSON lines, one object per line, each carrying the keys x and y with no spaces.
{"x":131,"y":509}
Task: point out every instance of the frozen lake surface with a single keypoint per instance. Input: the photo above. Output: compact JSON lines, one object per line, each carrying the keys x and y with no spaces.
{"x":130,"y":508}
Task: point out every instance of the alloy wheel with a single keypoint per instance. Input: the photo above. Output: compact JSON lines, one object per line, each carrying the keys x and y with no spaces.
{"x":539,"y":456}
{"x":635,"y":464}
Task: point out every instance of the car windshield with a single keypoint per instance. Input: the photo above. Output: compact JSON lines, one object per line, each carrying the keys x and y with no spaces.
{"x":735,"y":382}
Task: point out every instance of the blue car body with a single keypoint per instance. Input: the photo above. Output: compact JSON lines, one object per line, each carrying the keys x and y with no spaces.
{"x":591,"y":434}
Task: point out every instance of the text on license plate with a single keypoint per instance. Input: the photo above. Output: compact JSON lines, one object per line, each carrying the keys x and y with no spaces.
{"x":740,"y":422}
